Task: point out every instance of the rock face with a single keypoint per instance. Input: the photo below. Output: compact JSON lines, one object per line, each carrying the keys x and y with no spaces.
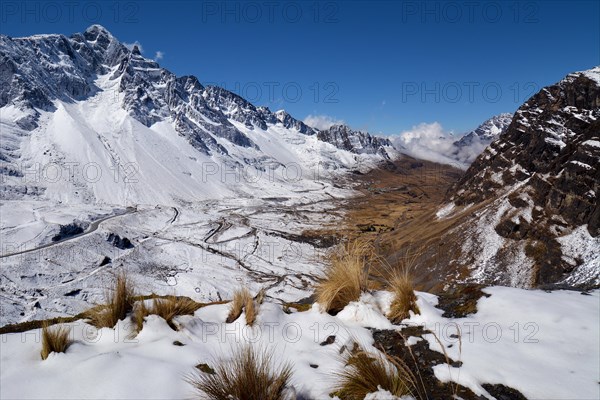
{"x":289,"y":122}
{"x":541,"y":181}
{"x":553,"y":145}
{"x":345,"y":138}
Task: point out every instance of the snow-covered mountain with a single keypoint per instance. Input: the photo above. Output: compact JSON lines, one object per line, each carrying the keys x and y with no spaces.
{"x":468,"y":147}
{"x":487,"y":131}
{"x":85,"y":119}
{"x":360,"y":142}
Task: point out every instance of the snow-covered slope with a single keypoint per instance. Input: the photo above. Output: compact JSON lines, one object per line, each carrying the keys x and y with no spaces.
{"x":84,"y":119}
{"x":96,"y":137}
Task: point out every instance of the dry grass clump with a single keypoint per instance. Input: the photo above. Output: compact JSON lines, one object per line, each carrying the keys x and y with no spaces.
{"x":240,"y":298}
{"x":140,"y":312}
{"x":251,"y":311}
{"x":347,"y":276}
{"x":365,"y":373}
{"x":55,"y":339}
{"x":401,"y":284}
{"x":166,"y":308}
{"x":119,"y":302}
{"x":249,"y":375}
{"x":243,"y":301}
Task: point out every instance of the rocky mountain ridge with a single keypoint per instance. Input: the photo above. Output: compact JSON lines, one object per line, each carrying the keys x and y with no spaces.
{"x":541,"y":178}
{"x":49,"y":80}
{"x":41,"y":68}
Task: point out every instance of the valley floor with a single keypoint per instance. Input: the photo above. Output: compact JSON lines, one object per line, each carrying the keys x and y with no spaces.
{"x":203,"y":250}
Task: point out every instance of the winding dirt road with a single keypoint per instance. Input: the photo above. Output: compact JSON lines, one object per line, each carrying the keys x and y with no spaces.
{"x":91,"y":229}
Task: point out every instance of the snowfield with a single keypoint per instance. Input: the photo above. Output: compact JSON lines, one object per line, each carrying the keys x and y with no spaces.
{"x":542,"y":344}
{"x":202,"y":250}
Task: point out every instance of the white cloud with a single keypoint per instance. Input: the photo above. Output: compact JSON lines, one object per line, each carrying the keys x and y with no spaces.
{"x":159,"y":56}
{"x":136,"y":43}
{"x":322,"y":121}
{"x":468,"y":154}
{"x":428,"y":142}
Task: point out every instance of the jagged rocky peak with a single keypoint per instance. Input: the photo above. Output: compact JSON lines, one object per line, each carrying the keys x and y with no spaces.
{"x":97,"y":36}
{"x":488,"y":131}
{"x":234,"y":107}
{"x":547,"y":134}
{"x":468,"y":147}
{"x":37,"y":70}
{"x":100,"y":48}
{"x":97,"y":32}
{"x":291,"y":123}
{"x":343,"y":137}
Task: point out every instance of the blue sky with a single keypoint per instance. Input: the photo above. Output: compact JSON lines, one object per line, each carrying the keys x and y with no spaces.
{"x":382,"y":66}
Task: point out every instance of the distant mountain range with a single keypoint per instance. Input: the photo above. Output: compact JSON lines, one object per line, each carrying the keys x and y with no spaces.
{"x":430,"y":141}
{"x":87,"y":102}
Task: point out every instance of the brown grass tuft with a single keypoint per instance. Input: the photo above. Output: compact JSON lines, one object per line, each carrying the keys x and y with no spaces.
{"x":140,"y":312}
{"x":347,"y":276}
{"x":166,"y":308}
{"x":241,"y":299}
{"x":55,"y":339}
{"x":260,"y":296}
{"x":119,"y":302}
{"x":365,"y":373}
{"x":249,"y":375}
{"x":401,"y":284}
{"x":251,"y":311}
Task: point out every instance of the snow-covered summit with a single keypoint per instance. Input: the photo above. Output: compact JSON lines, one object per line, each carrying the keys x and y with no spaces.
{"x":342,"y":136}
{"x":488,"y":130}
{"x":468,"y":147}
{"x":593,"y":74}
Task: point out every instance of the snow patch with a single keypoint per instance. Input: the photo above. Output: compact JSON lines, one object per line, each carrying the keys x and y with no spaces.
{"x":445,"y":210}
{"x":573,"y":245}
{"x":525,"y":339}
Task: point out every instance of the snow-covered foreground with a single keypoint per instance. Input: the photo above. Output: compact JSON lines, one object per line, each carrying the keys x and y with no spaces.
{"x":542,"y":344}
